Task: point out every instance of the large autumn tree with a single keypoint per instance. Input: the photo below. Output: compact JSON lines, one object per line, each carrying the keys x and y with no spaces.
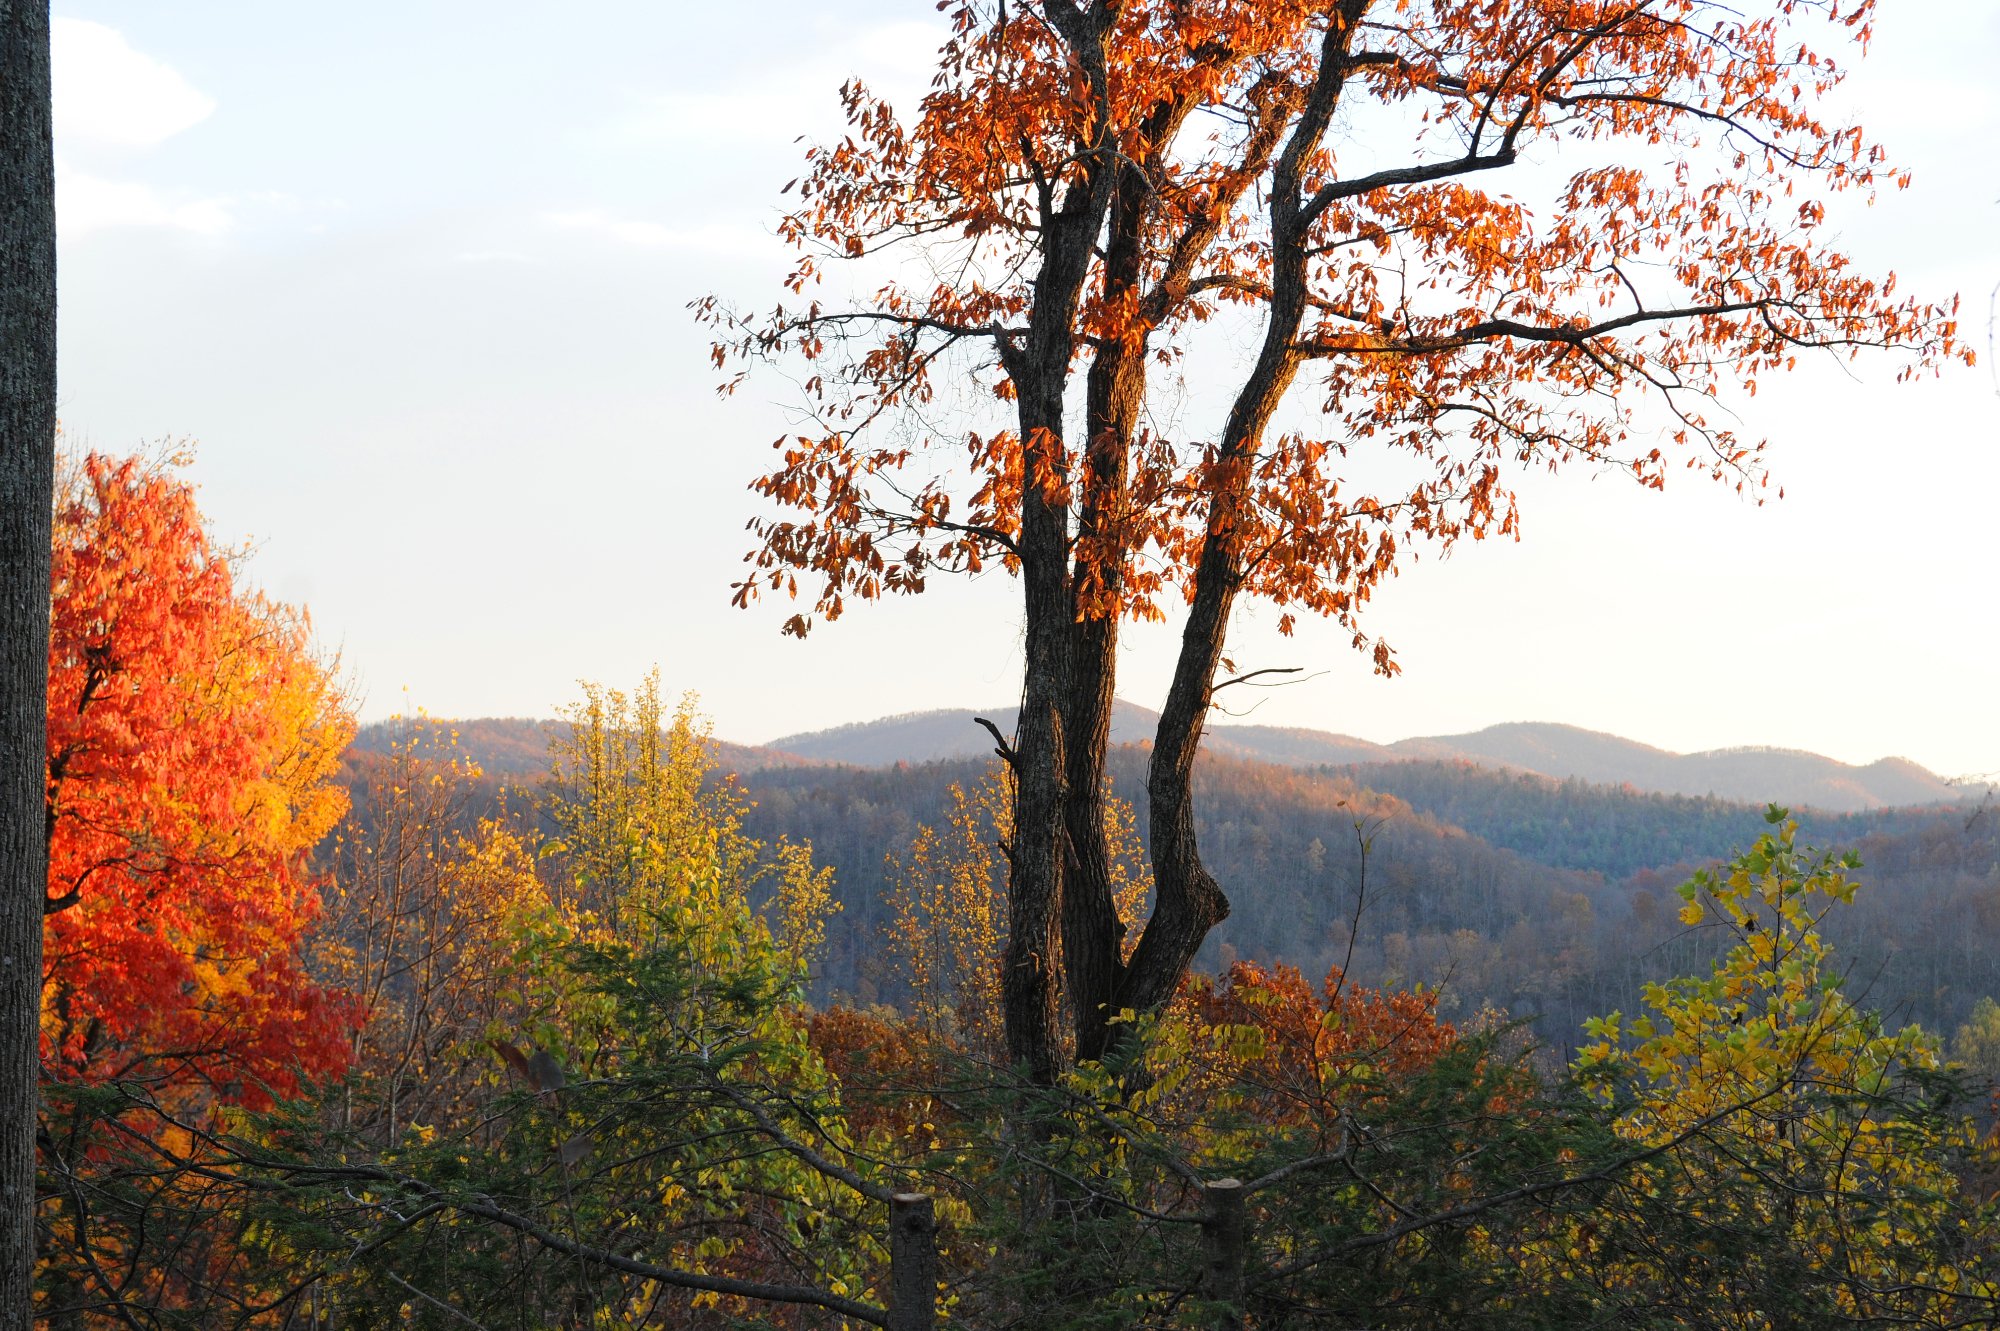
{"x":1466,"y":237}
{"x":192,"y":735}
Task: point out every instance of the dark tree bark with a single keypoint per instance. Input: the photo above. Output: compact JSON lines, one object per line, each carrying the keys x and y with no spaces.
{"x":1039,"y":365}
{"x":1188,"y":901}
{"x":1064,"y":933}
{"x":913,"y":1262}
{"x":27,"y":471}
{"x":1225,"y":1240}
{"x":1114,"y":393}
{"x":1060,"y":885}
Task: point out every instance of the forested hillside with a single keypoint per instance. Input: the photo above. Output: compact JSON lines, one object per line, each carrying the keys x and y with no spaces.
{"x":1613,"y":830}
{"x":587,"y":987}
{"x":1551,"y":900}
{"x":1541,"y":898}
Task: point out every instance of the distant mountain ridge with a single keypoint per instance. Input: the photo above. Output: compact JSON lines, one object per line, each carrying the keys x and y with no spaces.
{"x":518,"y":746}
{"x":1545,"y":896}
{"x":1746,"y":774}
{"x":950,"y":734}
{"x":1750,"y":774}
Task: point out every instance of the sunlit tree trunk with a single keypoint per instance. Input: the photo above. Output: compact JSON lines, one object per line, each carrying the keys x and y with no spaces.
{"x":1188,"y":901}
{"x":27,"y":479}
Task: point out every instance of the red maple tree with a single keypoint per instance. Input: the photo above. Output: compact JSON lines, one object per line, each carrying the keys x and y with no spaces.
{"x":191,"y":734}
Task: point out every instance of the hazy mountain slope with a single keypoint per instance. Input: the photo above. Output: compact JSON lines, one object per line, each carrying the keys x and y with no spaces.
{"x":941,"y":736}
{"x":517,"y":746}
{"x":1750,"y":775}
{"x":1293,"y":746}
{"x":1550,"y":899}
{"x":1613,"y":830}
{"x":948,"y":735}
{"x":1885,"y":783}
{"x":1282,"y":842}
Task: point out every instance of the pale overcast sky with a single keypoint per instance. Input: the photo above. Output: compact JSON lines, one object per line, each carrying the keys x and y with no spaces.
{"x":415,"y":278}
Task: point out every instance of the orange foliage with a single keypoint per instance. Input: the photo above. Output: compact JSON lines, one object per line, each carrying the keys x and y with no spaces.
{"x":1092,"y":182}
{"x":884,"y":1063}
{"x":1454,"y":240}
{"x":191,"y":736}
{"x":1315,"y":1053}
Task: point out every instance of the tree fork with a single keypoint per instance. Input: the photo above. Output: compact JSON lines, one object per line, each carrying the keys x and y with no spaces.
{"x":1101,"y":240}
{"x":1189,"y":902}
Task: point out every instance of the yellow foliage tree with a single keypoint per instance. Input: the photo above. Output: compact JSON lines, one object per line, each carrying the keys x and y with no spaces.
{"x":1791,"y":1112}
{"x":644,"y":817}
{"x":422,"y":926}
{"x":948,"y":926}
{"x":1977,"y":1044}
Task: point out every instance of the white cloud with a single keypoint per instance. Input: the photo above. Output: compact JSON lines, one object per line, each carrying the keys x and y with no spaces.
{"x":709,"y":238}
{"x":90,"y":203}
{"x":895,"y":60}
{"x":109,"y":95}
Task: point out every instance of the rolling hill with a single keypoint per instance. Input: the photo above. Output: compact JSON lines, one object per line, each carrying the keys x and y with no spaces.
{"x":510,"y":747}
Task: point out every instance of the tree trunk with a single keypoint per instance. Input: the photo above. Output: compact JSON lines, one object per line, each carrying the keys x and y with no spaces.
{"x":1061,"y":874}
{"x":1029,"y":987}
{"x":1225,"y":1239}
{"x":1030,"y":984}
{"x":913,"y":1262}
{"x":1188,"y":902}
{"x":1093,"y":935}
{"x":1039,"y":367}
{"x":27,"y":479}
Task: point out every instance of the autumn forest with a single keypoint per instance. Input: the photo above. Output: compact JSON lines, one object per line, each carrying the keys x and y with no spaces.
{"x":1108,"y":1015}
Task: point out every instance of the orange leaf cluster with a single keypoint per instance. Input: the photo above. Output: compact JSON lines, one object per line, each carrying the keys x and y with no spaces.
{"x":1317,"y":1052}
{"x":887,"y":1067}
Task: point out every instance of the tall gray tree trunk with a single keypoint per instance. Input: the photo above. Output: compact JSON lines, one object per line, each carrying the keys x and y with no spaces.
{"x":27,"y":478}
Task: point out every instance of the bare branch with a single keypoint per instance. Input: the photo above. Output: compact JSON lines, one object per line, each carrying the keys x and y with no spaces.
{"x":1246,"y":678}
{"x":668,"y":1275}
{"x":1001,"y":746}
